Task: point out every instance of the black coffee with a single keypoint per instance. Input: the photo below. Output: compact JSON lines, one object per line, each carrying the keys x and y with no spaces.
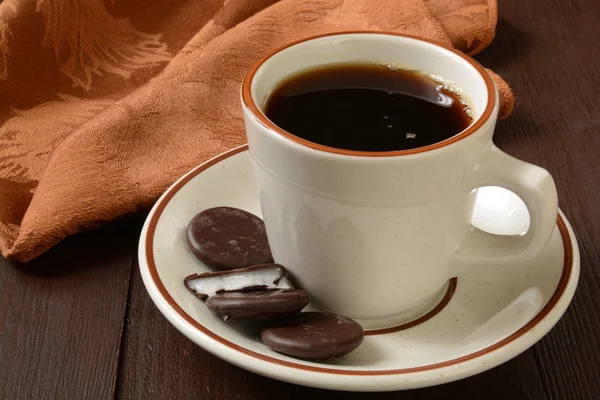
{"x":367,"y":107}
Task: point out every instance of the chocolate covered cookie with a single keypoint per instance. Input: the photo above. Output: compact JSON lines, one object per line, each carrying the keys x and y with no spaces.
{"x":257,"y":304}
{"x":258,"y":277}
{"x":313,"y":335}
{"x":228,"y":238}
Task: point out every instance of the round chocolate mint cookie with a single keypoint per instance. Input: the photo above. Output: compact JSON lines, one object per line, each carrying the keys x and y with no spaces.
{"x":251,"y":279}
{"x":261,"y":304}
{"x":314,"y":335}
{"x":228,"y":238}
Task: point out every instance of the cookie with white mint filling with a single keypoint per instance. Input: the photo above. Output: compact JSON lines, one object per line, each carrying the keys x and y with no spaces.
{"x":258,"y":277}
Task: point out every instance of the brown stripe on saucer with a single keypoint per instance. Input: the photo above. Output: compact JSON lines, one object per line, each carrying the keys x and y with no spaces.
{"x":425,"y":317}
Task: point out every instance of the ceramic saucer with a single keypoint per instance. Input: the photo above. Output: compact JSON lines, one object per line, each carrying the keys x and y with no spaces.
{"x":487,"y":317}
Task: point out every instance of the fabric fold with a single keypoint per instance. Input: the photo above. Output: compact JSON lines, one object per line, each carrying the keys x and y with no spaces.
{"x":103,"y":104}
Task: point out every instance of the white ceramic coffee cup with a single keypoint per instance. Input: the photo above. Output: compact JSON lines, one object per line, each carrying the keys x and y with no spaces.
{"x":377,"y":236}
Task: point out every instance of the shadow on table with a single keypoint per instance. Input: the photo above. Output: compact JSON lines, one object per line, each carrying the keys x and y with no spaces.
{"x":510,"y":44}
{"x":88,"y":250}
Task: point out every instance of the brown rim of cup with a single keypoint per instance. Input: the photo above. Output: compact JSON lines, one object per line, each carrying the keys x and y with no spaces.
{"x":172,"y":304}
{"x":263,"y":120}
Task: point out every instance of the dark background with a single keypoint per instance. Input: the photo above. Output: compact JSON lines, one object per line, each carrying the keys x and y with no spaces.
{"x":77,"y":322}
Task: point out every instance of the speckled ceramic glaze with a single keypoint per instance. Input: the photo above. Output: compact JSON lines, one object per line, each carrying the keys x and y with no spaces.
{"x":492,"y":315}
{"x":377,"y":236}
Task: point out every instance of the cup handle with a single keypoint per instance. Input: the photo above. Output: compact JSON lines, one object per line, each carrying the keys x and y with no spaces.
{"x":535,"y":186}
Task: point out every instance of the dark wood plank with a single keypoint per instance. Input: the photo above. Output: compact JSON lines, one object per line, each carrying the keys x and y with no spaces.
{"x":546,"y":50}
{"x":61,"y":317}
{"x":158,"y":362}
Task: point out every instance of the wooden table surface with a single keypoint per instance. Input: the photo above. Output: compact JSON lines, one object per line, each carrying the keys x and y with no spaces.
{"x":77,"y":323}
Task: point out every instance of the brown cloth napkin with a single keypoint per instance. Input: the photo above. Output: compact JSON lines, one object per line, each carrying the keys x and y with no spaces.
{"x":104,"y":103}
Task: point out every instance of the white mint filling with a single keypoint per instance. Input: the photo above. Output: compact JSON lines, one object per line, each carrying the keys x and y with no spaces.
{"x":262,"y":277}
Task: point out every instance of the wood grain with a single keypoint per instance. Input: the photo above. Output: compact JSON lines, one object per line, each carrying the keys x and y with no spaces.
{"x":545,"y":50}
{"x":61,"y":317}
